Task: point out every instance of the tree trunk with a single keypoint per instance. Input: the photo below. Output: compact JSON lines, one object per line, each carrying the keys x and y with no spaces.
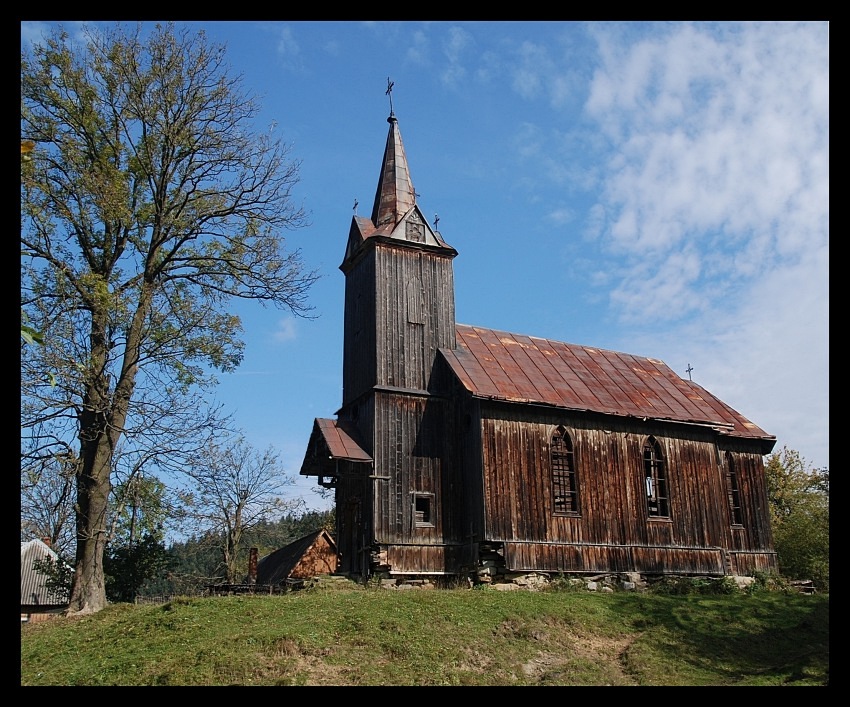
{"x":230,"y":555}
{"x":88,"y":591}
{"x":102,"y":421}
{"x":88,"y":588}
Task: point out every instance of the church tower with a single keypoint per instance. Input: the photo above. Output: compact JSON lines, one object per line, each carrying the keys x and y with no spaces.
{"x":399,"y":311}
{"x":399,"y":287}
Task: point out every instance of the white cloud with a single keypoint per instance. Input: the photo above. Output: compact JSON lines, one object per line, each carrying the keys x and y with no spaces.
{"x":455,"y":47}
{"x":529,"y":76}
{"x":657,"y":294}
{"x":458,"y":41}
{"x":716,"y":211}
{"x":765,"y":353}
{"x":419,"y":47}
{"x":288,"y":49}
{"x":529,"y":141}
{"x":285,"y":330}
{"x":746,"y":165}
{"x":490,"y":67}
{"x":561,"y":215}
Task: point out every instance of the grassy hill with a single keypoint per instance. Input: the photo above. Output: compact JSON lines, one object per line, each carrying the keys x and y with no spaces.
{"x":354,"y":635}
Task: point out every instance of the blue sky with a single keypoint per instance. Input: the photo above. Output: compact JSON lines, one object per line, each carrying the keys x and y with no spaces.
{"x":656,"y":188}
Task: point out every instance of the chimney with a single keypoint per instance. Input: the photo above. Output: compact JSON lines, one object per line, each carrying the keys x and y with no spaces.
{"x":46,"y":541}
{"x":252,"y":566}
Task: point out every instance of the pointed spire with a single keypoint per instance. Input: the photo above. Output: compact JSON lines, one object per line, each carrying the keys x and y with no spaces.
{"x":395,"y":195}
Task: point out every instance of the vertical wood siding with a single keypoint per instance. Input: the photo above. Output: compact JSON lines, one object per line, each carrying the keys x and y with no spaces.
{"x":352,"y":512}
{"x":359,"y":343}
{"x":433,"y":559}
{"x":411,"y":456}
{"x":412,"y":338}
{"x":485,"y":465}
{"x":399,"y":312}
{"x":614,"y":531}
{"x":469,"y":452}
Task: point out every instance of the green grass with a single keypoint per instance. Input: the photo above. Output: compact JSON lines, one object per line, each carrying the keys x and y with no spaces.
{"x":363,"y":636}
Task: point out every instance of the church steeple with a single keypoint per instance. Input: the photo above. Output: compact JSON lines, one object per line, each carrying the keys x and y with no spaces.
{"x":399,"y":292}
{"x":395,"y":194}
{"x":395,"y":213}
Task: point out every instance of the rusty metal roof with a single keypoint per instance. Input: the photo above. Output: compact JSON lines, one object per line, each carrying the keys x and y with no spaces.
{"x":340,"y":437}
{"x":395,"y":194}
{"x":517,"y":368}
{"x":330,"y":441}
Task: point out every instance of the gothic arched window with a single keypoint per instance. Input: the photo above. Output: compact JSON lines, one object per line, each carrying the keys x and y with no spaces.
{"x":564,"y":482}
{"x":733,"y":491}
{"x":655,"y":479}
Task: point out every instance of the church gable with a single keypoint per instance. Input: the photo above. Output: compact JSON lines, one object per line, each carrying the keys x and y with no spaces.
{"x":412,"y":228}
{"x":361,"y":229}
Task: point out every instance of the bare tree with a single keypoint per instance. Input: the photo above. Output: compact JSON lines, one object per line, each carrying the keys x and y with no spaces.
{"x":47,"y":503}
{"x":233,"y":488}
{"x":149,"y":202}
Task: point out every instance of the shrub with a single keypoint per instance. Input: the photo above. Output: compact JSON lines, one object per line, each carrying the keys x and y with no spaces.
{"x":565,"y":583}
{"x":677,"y":585}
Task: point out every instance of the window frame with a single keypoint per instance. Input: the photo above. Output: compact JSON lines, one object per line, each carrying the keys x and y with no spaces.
{"x":733,"y":491}
{"x":656,"y":485}
{"x":427,"y":522}
{"x":563,"y":474}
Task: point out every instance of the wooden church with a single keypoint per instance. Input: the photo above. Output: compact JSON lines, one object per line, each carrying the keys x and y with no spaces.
{"x":459,"y":449}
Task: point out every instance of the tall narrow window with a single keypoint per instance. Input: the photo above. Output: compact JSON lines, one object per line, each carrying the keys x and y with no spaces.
{"x":733,"y":491}
{"x":655,"y":478}
{"x":564,"y":483}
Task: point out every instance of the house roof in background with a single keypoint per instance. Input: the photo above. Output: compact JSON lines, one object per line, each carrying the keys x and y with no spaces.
{"x":33,"y":590}
{"x":276,"y":567}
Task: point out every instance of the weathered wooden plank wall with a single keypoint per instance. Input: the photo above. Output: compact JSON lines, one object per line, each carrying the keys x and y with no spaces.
{"x":319,"y":559}
{"x":613,"y":530}
{"x":430,"y":559}
{"x":415,"y":307}
{"x":359,"y":343}
{"x":411,"y":457}
{"x":352,"y":509}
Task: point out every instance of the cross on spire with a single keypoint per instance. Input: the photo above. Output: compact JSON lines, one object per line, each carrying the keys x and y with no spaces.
{"x":689,"y":369}
{"x":355,"y":206}
{"x":389,"y":92}
{"x":436,"y":221}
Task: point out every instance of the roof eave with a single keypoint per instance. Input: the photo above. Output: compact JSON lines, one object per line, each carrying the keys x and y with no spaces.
{"x":722,"y":428}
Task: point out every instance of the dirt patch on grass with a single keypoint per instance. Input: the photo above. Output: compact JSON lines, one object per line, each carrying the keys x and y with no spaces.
{"x":580,"y":660}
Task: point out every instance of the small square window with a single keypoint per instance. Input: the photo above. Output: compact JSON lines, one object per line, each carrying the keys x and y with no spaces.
{"x":423,"y":510}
